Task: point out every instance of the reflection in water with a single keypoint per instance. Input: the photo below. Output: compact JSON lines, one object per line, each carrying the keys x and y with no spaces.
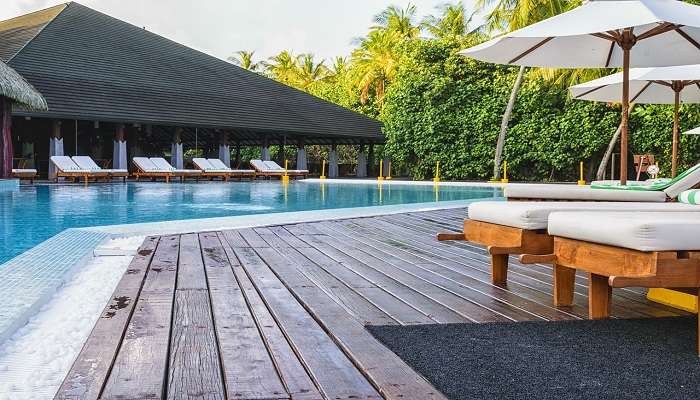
{"x":34,"y":213}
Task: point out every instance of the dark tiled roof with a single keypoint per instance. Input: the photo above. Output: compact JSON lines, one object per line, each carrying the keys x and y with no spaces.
{"x":91,"y":66}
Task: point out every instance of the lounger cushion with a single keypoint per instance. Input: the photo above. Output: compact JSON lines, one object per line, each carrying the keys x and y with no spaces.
{"x":272,"y":166}
{"x":203,"y":164}
{"x":534,"y":215}
{"x":643,"y":231}
{"x":146,"y":165}
{"x":86,"y":162}
{"x":24,"y":171}
{"x":688,"y":182}
{"x":584,"y":193}
{"x":65,"y":164}
{"x":218,"y":164}
{"x":690,"y":197}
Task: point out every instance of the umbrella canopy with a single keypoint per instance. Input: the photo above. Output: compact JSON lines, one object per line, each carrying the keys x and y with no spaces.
{"x":695,"y":131}
{"x":604,"y":33}
{"x":662,"y":85}
{"x":13,"y":86}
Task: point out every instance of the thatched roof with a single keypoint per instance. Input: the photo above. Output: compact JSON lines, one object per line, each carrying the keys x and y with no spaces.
{"x":13,"y":86}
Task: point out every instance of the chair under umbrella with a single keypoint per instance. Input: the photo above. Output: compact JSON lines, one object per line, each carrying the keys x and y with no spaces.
{"x":604,"y":34}
{"x":661,"y":85}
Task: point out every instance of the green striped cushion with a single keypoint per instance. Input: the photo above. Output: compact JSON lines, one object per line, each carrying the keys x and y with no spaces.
{"x":690,"y":197}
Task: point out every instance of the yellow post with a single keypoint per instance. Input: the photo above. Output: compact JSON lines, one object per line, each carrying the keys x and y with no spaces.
{"x":381,"y":171}
{"x":388,"y":175}
{"x":505,"y":172}
{"x":285,"y":177}
{"x":581,"y":181}
{"x":436,"y":179}
{"x":323,"y":170}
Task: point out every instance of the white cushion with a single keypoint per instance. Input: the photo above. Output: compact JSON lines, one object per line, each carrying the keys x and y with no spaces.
{"x":64,"y":163}
{"x":203,"y":164}
{"x":86,"y":162}
{"x":534,"y":215}
{"x":684,"y":184}
{"x":273,"y":166}
{"x":259,"y":165}
{"x":585,"y":193}
{"x":162,"y":164}
{"x":146,"y":165}
{"x":24,"y":171}
{"x":643,"y":231}
{"x":218,"y":164}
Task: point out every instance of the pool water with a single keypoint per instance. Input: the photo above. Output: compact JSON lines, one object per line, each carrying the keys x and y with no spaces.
{"x":35,"y":213}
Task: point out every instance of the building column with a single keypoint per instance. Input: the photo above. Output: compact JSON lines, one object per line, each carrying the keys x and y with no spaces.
{"x":176,"y":154}
{"x":333,"y":162}
{"x":55,"y":146}
{"x":361,"y":163}
{"x":265,"y":150}
{"x":6,"y":151}
{"x":119,"y":152}
{"x":370,"y":160}
{"x":224,"y":149}
{"x":302,"y":162}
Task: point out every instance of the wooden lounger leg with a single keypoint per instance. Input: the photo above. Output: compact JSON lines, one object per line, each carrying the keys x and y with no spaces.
{"x":599,"y":296}
{"x":499,"y":269}
{"x":564,"y":279}
{"x":450,"y":236}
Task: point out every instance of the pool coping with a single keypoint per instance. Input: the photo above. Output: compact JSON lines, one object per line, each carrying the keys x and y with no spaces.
{"x":20,"y":272}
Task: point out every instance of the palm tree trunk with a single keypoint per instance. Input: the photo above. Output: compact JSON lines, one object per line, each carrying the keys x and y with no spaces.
{"x":608,"y":153}
{"x":504,"y":123}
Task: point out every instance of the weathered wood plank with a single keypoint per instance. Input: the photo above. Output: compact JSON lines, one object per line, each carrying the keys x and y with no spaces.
{"x":90,"y":369}
{"x":333,"y":372}
{"x":248,"y":370}
{"x":139,"y":371}
{"x":393,"y":378}
{"x":194,"y":368}
{"x":297,"y":381}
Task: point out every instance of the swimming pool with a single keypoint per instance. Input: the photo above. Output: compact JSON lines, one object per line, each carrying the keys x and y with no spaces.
{"x":34,"y":213}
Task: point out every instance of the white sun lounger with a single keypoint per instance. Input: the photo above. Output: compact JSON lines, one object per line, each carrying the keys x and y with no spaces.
{"x":145,"y":168}
{"x":25,"y":173}
{"x":86,"y":162}
{"x":644,"y":249}
{"x":67,"y":168}
{"x":209,"y":171}
{"x":163,"y":165}
{"x":238,"y":173}
{"x":271,"y":168}
{"x":507,"y":228}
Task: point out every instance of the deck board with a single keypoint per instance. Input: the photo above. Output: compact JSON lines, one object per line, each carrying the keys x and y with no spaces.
{"x":279,"y":312}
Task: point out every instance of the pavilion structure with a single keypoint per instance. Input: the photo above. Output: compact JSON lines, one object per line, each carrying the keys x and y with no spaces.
{"x":115,"y":91}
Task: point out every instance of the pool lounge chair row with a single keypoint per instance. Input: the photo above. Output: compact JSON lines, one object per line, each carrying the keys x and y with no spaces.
{"x":620,"y":243}
{"x":272,"y":169}
{"x":84,"y":167}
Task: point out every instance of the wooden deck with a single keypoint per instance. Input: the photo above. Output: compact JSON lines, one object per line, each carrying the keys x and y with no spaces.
{"x":278,"y":312}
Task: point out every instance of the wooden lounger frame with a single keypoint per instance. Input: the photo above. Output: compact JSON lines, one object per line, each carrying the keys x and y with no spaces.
{"x":139,"y":173}
{"x":30,"y":176}
{"x":78,"y":175}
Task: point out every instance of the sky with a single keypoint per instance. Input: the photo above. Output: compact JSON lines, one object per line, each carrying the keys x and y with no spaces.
{"x":325,"y":28}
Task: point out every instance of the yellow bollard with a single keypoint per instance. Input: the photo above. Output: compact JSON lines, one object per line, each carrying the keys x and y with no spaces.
{"x":581,"y":181}
{"x":388,"y":175}
{"x":436,"y":179}
{"x":285,"y":177}
{"x":505,"y":172}
{"x":323,"y":170}
{"x":381,"y":171}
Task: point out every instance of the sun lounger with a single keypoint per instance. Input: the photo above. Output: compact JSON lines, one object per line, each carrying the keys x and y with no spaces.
{"x":209,"y":171}
{"x":87,"y":163}
{"x":271,"y":168}
{"x":657,"y":192}
{"x":145,"y":168}
{"x":236,"y":173}
{"x":25,"y":173}
{"x":164,"y":165}
{"x":291,"y":172}
{"x":67,"y":168}
{"x":645,"y":249}
{"x":507,"y":228}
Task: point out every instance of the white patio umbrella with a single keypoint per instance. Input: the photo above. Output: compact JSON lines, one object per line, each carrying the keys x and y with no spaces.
{"x":661,"y":85}
{"x":695,"y":131}
{"x":604,"y":34}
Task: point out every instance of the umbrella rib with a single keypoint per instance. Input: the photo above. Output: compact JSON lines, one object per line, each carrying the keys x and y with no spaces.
{"x":663,"y":28}
{"x":664,"y":83}
{"x":587,"y":92}
{"x":688,"y":38}
{"x":610,"y":53}
{"x":604,"y":36}
{"x":641,"y":91}
{"x":530,"y":50}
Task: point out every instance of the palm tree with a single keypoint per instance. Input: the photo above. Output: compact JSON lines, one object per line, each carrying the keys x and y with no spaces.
{"x":374,"y":63}
{"x":282,"y":67}
{"x":308,"y":71}
{"x":399,"y":21}
{"x":510,"y":15}
{"x":451,"y":22}
{"x":244,"y":59}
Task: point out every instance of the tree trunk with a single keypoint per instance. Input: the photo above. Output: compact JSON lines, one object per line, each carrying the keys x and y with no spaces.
{"x":504,"y":123}
{"x":6,"y":151}
{"x":608,"y":153}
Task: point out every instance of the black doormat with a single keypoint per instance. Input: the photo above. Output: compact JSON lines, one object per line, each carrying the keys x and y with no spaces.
{"x":605,"y":359}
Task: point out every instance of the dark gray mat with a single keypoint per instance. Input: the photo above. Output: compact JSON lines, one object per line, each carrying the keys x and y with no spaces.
{"x":605,"y":359}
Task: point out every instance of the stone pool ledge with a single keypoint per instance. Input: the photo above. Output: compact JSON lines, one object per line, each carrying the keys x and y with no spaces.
{"x":29,"y":280}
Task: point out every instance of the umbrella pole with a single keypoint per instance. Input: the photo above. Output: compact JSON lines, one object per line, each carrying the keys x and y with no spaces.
{"x":676,"y":128}
{"x":625,"y":114}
